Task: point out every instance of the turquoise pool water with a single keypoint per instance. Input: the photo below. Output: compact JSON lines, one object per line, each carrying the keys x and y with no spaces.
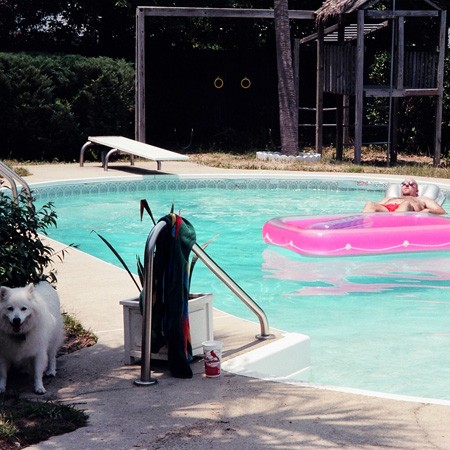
{"x":379,"y":323}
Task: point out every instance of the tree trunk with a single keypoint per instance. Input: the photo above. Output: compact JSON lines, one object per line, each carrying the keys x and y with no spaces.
{"x":286,"y":89}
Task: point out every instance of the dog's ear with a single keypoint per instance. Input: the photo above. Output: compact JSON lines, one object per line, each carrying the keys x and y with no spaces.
{"x":29,"y":288}
{"x":3,"y":291}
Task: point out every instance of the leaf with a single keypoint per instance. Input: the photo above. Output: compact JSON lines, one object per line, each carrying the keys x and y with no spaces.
{"x":118,"y":257}
{"x":140,"y":269}
{"x":195,"y":257}
{"x":61,"y":254}
{"x":146,"y":207}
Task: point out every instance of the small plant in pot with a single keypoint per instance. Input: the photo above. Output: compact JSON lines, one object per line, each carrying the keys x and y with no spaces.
{"x":140,"y":267}
{"x":170,"y":292}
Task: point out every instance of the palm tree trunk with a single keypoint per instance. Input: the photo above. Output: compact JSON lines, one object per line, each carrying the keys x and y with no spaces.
{"x":286,"y":90}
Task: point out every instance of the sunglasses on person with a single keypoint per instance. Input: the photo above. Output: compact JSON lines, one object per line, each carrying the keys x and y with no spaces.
{"x":408,"y":183}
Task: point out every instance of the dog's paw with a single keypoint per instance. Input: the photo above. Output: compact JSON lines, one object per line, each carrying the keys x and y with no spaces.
{"x":39,"y":390}
{"x":50,"y":373}
{"x":2,"y":389}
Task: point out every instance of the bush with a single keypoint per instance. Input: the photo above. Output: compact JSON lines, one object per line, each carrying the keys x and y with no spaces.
{"x":23,"y":256}
{"x":51,"y":104}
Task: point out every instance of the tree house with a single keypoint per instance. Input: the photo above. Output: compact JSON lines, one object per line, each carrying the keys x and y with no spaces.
{"x":343,"y":30}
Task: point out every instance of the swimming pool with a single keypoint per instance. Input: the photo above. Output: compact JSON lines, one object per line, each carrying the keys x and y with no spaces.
{"x":379,"y":323}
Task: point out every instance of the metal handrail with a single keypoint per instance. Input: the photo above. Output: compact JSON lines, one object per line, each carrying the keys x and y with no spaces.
{"x":146,"y":378}
{"x":236,"y":289}
{"x":11,"y":176}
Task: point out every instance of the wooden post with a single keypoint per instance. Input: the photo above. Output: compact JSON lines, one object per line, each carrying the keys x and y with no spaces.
{"x":400,"y":54}
{"x":440,"y":86}
{"x":398,"y":85}
{"x":319,"y":89}
{"x":340,"y":99}
{"x":359,"y":88}
{"x":394,"y":124}
{"x":140,"y":122}
{"x":297,"y":75}
{"x":346,"y":120}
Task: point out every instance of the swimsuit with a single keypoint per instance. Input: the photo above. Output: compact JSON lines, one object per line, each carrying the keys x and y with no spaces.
{"x":391,"y":207}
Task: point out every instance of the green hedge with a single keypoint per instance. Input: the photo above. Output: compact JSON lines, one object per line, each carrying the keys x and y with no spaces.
{"x":50,"y":104}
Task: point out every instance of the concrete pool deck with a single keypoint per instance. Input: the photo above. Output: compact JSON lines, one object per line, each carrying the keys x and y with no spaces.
{"x":229,"y":412}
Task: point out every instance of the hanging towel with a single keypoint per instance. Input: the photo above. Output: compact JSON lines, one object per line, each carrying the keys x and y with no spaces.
{"x":170,"y":322}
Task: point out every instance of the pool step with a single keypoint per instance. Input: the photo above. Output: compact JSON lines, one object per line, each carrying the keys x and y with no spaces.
{"x":287,"y":359}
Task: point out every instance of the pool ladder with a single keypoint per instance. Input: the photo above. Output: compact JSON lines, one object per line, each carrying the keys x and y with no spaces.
{"x":12,"y":177}
{"x":146,"y":379}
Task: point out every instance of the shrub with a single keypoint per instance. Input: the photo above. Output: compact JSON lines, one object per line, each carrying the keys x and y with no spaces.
{"x":51,"y":104}
{"x":23,"y":256}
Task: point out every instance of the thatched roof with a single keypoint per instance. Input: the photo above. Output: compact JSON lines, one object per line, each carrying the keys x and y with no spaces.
{"x":332,"y":8}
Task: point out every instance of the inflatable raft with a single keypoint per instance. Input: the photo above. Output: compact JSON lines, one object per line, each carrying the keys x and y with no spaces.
{"x":359,"y":234}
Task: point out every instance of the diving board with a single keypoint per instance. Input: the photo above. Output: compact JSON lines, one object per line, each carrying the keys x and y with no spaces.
{"x":120,"y":144}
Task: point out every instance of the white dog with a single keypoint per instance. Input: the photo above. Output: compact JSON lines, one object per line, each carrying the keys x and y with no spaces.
{"x":31,"y":331}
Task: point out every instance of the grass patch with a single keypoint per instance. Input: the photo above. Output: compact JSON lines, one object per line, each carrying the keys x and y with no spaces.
{"x":25,"y":422}
{"x":76,"y":336}
{"x":373,"y":161}
{"x":21,"y":171}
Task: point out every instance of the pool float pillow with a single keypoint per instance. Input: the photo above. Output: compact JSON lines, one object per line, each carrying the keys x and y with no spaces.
{"x":428,"y":190}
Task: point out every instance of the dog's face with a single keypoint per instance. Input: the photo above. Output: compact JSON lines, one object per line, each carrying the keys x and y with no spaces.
{"x":16,"y":309}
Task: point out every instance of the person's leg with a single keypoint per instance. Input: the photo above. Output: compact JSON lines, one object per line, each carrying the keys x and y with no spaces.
{"x":374,"y":207}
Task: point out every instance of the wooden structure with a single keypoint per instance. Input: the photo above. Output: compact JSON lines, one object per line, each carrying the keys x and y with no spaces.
{"x":155,"y":11}
{"x":342,"y":27}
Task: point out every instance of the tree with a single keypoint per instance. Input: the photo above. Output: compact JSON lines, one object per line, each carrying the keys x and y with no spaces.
{"x":104,"y":27}
{"x":286,"y":90}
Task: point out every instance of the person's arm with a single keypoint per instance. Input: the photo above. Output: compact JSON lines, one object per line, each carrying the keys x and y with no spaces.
{"x":431,"y":206}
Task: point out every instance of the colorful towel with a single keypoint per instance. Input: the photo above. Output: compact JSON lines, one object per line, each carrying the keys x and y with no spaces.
{"x":170,"y":321}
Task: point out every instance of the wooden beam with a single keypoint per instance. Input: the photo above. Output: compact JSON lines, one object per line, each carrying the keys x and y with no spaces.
{"x":433,"y":4}
{"x":384,"y":92}
{"x":314,"y":36}
{"x":242,"y":13}
{"x":389,"y":14}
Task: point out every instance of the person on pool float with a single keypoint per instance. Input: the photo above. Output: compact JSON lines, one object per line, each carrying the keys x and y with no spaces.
{"x":409,"y":201}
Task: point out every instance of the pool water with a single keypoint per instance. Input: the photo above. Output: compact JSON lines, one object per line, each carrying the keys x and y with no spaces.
{"x":379,"y":323}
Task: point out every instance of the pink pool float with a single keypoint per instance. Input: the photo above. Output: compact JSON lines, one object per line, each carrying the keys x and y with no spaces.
{"x":359,"y":234}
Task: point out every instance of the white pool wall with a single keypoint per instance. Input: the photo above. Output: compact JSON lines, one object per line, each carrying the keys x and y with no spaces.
{"x":288,"y":358}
